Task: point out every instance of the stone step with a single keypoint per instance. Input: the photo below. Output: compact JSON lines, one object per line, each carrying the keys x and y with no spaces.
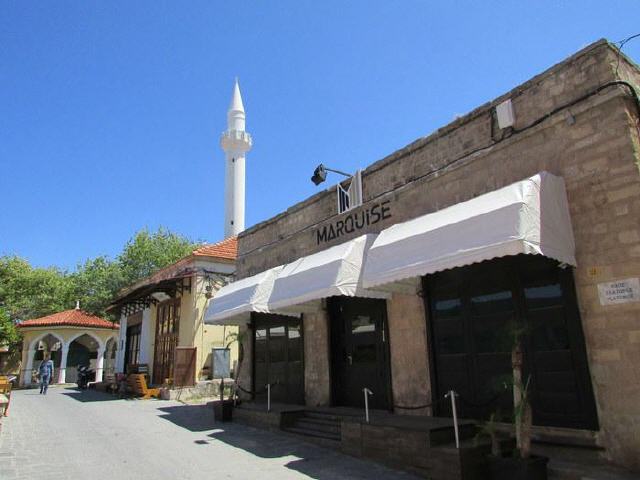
{"x":316,"y":424}
{"x":314,"y":433}
{"x":322,"y":416}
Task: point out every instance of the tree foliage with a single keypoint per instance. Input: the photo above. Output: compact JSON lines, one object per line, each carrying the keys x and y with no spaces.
{"x":29,"y":292}
{"x":147,"y":252}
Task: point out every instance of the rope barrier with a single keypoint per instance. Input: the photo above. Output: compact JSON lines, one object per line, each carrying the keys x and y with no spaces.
{"x":418,"y":407}
{"x":484,"y":403}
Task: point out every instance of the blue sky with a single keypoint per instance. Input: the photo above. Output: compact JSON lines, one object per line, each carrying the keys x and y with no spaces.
{"x":111,"y":112}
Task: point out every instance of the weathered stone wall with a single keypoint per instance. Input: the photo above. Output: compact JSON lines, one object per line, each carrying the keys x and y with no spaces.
{"x":245,"y":362}
{"x":408,"y":346}
{"x":593,"y":145}
{"x":316,"y":359}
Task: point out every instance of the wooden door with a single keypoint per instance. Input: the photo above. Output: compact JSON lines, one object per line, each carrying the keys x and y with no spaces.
{"x":359,"y":352}
{"x":278,"y":358}
{"x":166,"y":340}
{"x":185,"y":367}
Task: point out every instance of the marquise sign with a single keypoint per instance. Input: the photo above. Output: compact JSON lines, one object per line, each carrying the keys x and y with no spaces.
{"x":354,"y":221}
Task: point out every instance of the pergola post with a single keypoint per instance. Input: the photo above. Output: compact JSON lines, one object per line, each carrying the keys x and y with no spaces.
{"x":27,"y":373}
{"x":100,"y":363}
{"x":62,"y":374}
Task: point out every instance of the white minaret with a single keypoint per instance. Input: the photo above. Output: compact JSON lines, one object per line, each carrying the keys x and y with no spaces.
{"x":236,"y":143}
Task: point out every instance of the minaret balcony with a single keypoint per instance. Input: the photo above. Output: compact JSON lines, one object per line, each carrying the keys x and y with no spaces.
{"x":236,"y":140}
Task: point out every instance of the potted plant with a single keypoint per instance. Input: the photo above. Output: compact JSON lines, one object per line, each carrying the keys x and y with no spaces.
{"x":223,"y":408}
{"x":520,"y":465}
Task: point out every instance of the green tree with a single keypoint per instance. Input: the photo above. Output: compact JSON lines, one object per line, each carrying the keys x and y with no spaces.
{"x":27,"y":292}
{"x":148,"y":252}
{"x":9,"y":335}
{"x":96,"y":282}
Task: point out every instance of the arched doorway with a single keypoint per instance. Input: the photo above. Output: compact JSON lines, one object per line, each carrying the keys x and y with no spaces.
{"x":48,"y":345}
{"x":83,"y":350}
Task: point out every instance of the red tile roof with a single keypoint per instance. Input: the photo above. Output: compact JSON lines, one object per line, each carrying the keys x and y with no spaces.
{"x":70,"y":318}
{"x":227,"y":249}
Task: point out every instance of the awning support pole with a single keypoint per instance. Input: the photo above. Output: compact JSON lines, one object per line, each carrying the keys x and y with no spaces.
{"x":268,"y":397}
{"x":453,"y":396}
{"x":366,"y":392}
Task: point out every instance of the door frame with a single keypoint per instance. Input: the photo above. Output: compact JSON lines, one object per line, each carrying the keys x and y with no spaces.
{"x":332,"y":304}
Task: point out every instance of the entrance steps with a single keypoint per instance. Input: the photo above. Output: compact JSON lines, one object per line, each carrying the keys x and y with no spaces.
{"x":315,"y":424}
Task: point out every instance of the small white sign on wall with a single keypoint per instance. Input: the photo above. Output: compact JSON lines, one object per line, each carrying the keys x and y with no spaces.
{"x":621,"y":291}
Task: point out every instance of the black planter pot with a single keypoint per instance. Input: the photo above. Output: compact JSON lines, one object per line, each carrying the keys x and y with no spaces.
{"x":223,"y":410}
{"x":515,"y":468}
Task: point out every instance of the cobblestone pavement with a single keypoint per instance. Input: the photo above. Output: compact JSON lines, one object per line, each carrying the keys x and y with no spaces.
{"x":69,"y":434}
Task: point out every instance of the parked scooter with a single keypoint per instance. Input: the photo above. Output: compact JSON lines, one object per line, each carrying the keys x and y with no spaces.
{"x":85,"y":375}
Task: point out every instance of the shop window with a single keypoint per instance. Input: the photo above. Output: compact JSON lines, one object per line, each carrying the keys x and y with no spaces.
{"x":492,"y":303}
{"x":277,"y":344}
{"x":362,"y":324}
{"x":448,"y":308}
{"x":295,"y":343}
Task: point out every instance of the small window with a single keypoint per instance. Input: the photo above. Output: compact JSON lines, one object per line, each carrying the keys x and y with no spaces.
{"x":362,"y":324}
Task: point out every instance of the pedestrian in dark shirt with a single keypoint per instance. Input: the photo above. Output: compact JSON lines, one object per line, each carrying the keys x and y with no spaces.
{"x":46,"y":372}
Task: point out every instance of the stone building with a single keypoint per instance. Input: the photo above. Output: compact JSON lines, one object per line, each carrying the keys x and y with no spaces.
{"x":522,"y":215}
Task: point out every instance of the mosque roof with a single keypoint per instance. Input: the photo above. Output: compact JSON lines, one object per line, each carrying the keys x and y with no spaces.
{"x":70,"y":318}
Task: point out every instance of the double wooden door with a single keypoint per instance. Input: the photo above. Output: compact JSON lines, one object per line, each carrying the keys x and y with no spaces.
{"x":475,"y":313}
{"x":166,"y":340}
{"x":359,"y":352}
{"x":278,"y":358}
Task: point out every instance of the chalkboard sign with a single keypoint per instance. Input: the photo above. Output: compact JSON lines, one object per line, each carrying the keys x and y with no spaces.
{"x":221,"y":358}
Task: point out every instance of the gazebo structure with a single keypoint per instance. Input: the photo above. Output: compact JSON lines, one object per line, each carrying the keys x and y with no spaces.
{"x":72,"y":338}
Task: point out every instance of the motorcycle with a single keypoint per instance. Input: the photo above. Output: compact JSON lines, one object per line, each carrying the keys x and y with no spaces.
{"x":85,"y":375}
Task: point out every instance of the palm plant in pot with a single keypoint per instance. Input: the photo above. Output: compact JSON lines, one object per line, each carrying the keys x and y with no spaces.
{"x":223,"y":408}
{"x":520,"y":465}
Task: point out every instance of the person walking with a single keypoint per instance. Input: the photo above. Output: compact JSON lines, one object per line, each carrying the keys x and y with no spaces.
{"x":46,"y":372}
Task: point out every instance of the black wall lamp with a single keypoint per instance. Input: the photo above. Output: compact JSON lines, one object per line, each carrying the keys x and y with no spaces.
{"x":320,"y":174}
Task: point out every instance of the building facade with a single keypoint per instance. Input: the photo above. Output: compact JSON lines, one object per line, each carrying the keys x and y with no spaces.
{"x":520,"y":218}
{"x":164,"y":312}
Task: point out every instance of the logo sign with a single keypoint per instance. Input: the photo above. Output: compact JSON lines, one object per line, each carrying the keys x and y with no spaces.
{"x":350,"y":197}
{"x":354,"y":221}
{"x":621,"y":291}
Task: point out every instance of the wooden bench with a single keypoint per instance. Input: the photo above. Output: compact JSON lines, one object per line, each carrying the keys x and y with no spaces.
{"x":108,"y":384}
{"x":138,"y":386}
{"x":5,"y":397}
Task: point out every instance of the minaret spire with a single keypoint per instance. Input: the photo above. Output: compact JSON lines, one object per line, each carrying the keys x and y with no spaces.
{"x":235,"y":142}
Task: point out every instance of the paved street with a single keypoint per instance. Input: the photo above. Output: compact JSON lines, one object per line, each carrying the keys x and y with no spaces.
{"x":76,"y":435}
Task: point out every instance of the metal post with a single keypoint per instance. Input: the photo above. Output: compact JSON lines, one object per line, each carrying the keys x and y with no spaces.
{"x":453,"y":396}
{"x":268,"y":397}
{"x":366,"y":392}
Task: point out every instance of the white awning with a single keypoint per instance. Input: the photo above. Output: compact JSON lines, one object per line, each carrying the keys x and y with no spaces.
{"x":531,"y":216}
{"x":233,"y":303}
{"x":331,"y":272}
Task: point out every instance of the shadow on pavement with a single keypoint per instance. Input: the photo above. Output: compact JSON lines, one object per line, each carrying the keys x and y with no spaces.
{"x":196,"y":418}
{"x":314,"y":461}
{"x":89,"y":395}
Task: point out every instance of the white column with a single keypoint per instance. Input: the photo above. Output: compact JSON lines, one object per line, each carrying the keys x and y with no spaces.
{"x":145,"y":337}
{"x":122,"y":342}
{"x":62,"y":374}
{"x":25,"y":380}
{"x":100,"y":364}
